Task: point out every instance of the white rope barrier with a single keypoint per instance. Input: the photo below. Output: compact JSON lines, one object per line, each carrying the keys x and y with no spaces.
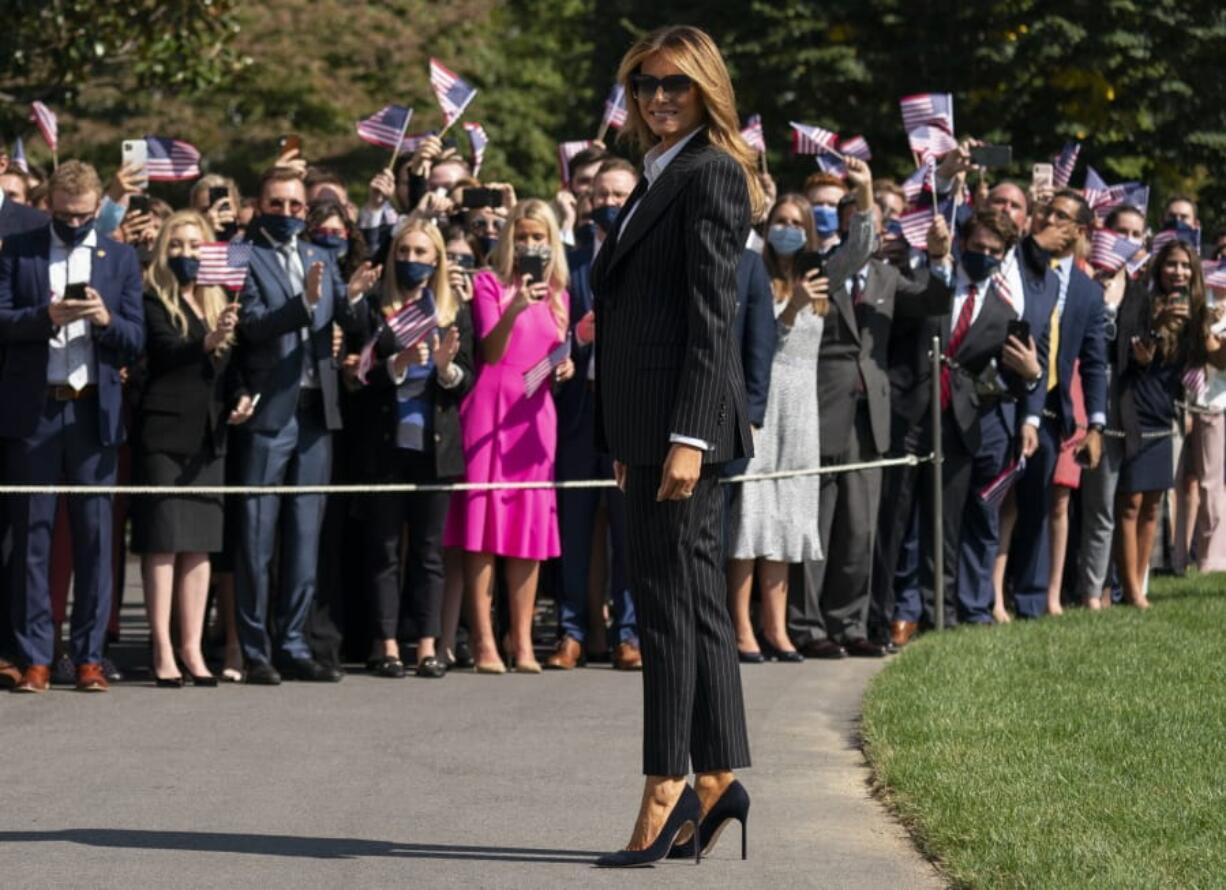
{"x":910,"y":460}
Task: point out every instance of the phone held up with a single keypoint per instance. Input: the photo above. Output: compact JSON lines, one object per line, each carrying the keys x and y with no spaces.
{"x":475,"y":198}
{"x":135,"y":152}
{"x":75,"y":292}
{"x":290,"y":142}
{"x":218,"y":193}
{"x":992,"y":155}
{"x":1043,"y":177}
{"x":1019,"y":328}
{"x":807,"y":261}
{"x":532,"y":265}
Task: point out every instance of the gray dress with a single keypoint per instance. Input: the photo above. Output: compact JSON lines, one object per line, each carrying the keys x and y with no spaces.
{"x":777,"y":520}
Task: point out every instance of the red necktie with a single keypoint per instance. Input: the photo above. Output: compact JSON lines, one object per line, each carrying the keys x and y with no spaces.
{"x":955,"y":340}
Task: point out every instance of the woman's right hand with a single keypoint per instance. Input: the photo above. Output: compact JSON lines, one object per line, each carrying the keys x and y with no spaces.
{"x":811,"y":291}
{"x":461,"y":282}
{"x":382,"y":187}
{"x":529,"y":292}
{"x":1143,"y":351}
{"x":220,"y":214}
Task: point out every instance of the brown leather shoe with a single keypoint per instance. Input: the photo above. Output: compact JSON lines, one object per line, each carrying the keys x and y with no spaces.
{"x":37,"y":678}
{"x":90,"y":678}
{"x":627,"y":657}
{"x":10,"y":674}
{"x":901,"y":632}
{"x":567,"y":655}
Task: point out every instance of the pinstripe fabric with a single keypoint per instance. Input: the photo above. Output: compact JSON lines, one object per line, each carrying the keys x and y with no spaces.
{"x":666,"y":364}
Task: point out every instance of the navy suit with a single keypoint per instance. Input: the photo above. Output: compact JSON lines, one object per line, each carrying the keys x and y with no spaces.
{"x":287,"y":441}
{"x":1082,"y":337}
{"x":48,"y":440}
{"x":16,"y":218}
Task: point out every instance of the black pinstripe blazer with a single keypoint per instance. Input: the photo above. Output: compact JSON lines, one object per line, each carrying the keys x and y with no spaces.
{"x":665,"y":288}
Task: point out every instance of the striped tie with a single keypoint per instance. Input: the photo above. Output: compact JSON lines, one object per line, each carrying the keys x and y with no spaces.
{"x":955,"y":340}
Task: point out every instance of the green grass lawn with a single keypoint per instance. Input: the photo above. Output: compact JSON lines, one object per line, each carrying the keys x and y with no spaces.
{"x":1087,"y":750}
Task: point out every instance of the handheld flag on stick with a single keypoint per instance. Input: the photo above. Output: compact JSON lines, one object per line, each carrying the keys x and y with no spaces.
{"x":224,"y":264}
{"x":386,"y":127}
{"x":913,"y":186}
{"x":566,"y":154}
{"x":855,"y":147}
{"x":453,"y":93}
{"x":478,"y":141}
{"x":812,"y":140}
{"x":49,"y":127}
{"x":1176,"y":231}
{"x":930,"y":141}
{"x":614,"y":111}
{"x":541,"y":371}
{"x":1109,"y":252}
{"x":1064,"y":163}
{"x":170,"y":160}
{"x":410,"y":325}
{"x":993,"y":494}
{"x":928,"y":109}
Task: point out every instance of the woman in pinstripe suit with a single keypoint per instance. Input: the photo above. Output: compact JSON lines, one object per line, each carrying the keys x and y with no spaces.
{"x":670,"y":399}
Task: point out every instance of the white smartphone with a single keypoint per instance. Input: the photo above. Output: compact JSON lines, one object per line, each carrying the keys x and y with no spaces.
{"x":1043,"y":177}
{"x":135,"y":152}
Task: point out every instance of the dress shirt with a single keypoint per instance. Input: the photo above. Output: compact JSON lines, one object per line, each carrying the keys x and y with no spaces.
{"x":70,"y":357}
{"x":291,"y":262}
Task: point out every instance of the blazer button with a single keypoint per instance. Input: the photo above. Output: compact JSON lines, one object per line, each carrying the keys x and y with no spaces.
{"x":438,"y":437}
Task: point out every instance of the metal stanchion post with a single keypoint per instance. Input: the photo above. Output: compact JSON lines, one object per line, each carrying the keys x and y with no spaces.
{"x":938,"y":510}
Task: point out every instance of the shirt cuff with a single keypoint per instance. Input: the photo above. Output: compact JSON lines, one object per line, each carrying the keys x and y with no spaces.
{"x":1098,"y":417}
{"x":372,"y":219}
{"x":568,"y":237}
{"x":1032,"y":420}
{"x":943,"y":271}
{"x":452,"y":378}
{"x":391,"y":371}
{"x":700,"y":444}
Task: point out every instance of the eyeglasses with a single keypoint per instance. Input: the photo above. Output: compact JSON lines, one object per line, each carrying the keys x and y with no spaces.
{"x":294,"y":206}
{"x":484,"y":225}
{"x":1056,"y":213}
{"x":644,"y":86}
{"x":463,"y":260}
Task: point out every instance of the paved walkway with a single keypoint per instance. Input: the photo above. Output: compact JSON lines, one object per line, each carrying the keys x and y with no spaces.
{"x":471,"y":781}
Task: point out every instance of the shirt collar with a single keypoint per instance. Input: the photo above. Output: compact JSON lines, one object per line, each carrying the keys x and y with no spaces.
{"x":1064,"y":267}
{"x":91,"y":240}
{"x":656,"y":160}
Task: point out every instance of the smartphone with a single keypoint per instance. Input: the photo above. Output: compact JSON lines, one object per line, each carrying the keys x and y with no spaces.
{"x":806,"y":261}
{"x":138,"y":204}
{"x":475,"y":198}
{"x":290,"y":142}
{"x":992,"y":155}
{"x":533,"y":265}
{"x":218,"y":193}
{"x":1177,"y":297}
{"x":1043,"y":177}
{"x":893,"y":228}
{"x":135,"y":152}
{"x":1020,"y":328}
{"x":75,"y":291}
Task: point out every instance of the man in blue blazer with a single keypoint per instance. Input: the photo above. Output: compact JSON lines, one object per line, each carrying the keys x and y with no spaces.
{"x":70,"y":319}
{"x":1080,"y":336}
{"x":16,"y":217}
{"x":292,"y":295}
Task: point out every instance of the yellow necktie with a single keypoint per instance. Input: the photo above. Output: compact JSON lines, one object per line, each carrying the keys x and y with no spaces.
{"x":1053,"y":347}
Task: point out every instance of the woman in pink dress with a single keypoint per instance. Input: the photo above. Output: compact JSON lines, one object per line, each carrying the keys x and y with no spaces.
{"x":510,"y":436}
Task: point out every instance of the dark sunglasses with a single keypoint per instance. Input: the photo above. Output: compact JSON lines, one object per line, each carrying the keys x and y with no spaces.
{"x":644,"y":86}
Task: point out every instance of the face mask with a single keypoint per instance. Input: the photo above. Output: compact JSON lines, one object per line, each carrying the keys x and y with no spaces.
{"x":339,"y":243}
{"x":978,"y":266}
{"x":785,"y":240}
{"x":826,"y":219}
{"x":184,"y":268}
{"x":72,"y":235}
{"x":488,"y":243}
{"x":280,"y":228}
{"x":410,"y":274}
{"x":604,"y":217}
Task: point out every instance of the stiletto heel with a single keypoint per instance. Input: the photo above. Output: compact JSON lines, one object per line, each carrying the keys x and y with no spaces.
{"x":732,"y":804}
{"x":685,"y":812}
{"x":744,"y":840}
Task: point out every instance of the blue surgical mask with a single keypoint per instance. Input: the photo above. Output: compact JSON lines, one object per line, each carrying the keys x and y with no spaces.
{"x":279,"y":228}
{"x":411,"y":274}
{"x":488,"y":243}
{"x":826,"y":220}
{"x":785,"y":240}
{"x":72,"y":236}
{"x":184,"y":268}
{"x":332,"y":241}
{"x":978,"y":266}
{"x":604,"y":217}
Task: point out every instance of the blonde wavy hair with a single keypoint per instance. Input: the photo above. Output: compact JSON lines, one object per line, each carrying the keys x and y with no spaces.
{"x":695,"y":53}
{"x":161,"y":282}
{"x":445,"y":303}
{"x":502,"y":261}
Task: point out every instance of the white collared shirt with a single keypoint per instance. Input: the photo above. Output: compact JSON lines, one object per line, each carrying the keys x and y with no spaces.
{"x":70,"y":355}
{"x":1064,"y":272}
{"x":654,"y":164}
{"x":309,"y":379}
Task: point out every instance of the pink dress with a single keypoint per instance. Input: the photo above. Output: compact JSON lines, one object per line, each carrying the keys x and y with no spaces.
{"x":508,"y":437}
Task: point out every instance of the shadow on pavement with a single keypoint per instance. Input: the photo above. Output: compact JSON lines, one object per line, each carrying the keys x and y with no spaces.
{"x":289,"y":845}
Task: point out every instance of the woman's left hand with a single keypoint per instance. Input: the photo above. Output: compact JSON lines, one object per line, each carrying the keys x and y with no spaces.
{"x":564,"y":371}
{"x":445,"y":348}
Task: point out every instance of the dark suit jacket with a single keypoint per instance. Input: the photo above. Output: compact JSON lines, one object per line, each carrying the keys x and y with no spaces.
{"x":666,"y":304}
{"x":572,"y":398}
{"x":270,"y":346}
{"x":863,"y":337}
{"x":1132,"y":320}
{"x":16,"y":218}
{"x":26,"y":329}
{"x":376,"y":402}
{"x":185,"y":394}
{"x":1082,"y":337}
{"x":755,"y":331}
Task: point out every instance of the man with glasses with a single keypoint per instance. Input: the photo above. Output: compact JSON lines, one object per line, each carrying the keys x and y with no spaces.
{"x":293,"y":294}
{"x":70,"y":318}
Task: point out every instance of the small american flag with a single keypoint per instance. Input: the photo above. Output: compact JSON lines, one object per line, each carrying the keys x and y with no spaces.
{"x":478,"y":141}
{"x":615,"y":108}
{"x":170,"y":160}
{"x":410,"y":325}
{"x":386,"y":127}
{"x":1064,"y":163}
{"x":567,"y":152}
{"x":855,"y":147}
{"x":811,"y":140}
{"x":1176,"y":231}
{"x":1215,"y":274}
{"x":829,"y":163}
{"x":913,"y":186}
{"x":915,"y":225}
{"x":19,"y":156}
{"x":753,"y":135}
{"x":1095,"y":189}
{"x":930,"y":141}
{"x":224,"y":264}
{"x":1196,"y":385}
{"x":44,"y":117}
{"x":928,"y":109}
{"x":993,"y":494}
{"x":540,"y":372}
{"x":453,"y":93}
{"x":1109,"y":252}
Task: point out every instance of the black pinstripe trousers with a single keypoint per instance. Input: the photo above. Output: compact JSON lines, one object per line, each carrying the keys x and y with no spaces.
{"x":693,"y":709}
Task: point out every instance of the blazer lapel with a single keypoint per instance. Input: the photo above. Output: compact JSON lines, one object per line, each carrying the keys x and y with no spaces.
{"x":309,"y":254}
{"x":272,"y":268}
{"x":42,"y":269}
{"x":100,"y":258}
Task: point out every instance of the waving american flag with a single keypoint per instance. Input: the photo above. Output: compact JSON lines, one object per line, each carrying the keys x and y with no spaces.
{"x":808,"y":139}
{"x":539,"y":373}
{"x":1064,"y":163}
{"x":478,"y":141}
{"x":453,"y":94}
{"x":224,"y":264}
{"x":386,"y":127}
{"x":411,"y":324}
{"x":45,"y":118}
{"x":1109,"y":251}
{"x":170,"y":160}
{"x":928,"y":109}
{"x":753,"y":135}
{"x":615,"y":108}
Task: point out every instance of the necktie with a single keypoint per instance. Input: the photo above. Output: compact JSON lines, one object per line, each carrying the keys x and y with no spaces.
{"x":78,"y":373}
{"x":1053,"y":347}
{"x":293,"y":268}
{"x":956,"y":336}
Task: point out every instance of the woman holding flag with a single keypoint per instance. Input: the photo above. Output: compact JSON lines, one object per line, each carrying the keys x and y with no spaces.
{"x":510,"y":429}
{"x":417,"y":367}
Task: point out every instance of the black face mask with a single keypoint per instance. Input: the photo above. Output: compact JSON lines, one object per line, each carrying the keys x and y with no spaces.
{"x":71,"y":235}
{"x":184,"y":268}
{"x":488,"y":243}
{"x":604,"y":217}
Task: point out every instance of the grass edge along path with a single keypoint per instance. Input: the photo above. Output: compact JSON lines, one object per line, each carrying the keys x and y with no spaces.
{"x":1087,"y":750}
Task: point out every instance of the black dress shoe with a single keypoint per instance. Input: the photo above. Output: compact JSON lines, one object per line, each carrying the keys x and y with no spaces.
{"x":463,"y":656}
{"x":431,"y":668}
{"x":168,"y":682}
{"x":787,"y":656}
{"x":687,"y":811}
{"x":112,"y":673}
{"x":732,"y":804}
{"x":827,"y":649}
{"x":750,"y":657}
{"x":864,"y":649}
{"x":308,"y":670}
{"x":261,"y":673}
{"x":386,"y":666}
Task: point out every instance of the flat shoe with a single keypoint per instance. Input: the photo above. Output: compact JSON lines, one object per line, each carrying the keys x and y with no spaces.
{"x":490,"y":667}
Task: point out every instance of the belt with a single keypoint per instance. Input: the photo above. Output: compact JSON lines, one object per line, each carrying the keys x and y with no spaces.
{"x":61,"y":392}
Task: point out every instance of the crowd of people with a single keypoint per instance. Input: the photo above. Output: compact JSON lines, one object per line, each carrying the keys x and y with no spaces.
{"x":1077,"y":408}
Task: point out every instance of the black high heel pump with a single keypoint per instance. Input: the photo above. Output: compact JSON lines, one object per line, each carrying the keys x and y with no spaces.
{"x":686,"y":812}
{"x":732,"y":804}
